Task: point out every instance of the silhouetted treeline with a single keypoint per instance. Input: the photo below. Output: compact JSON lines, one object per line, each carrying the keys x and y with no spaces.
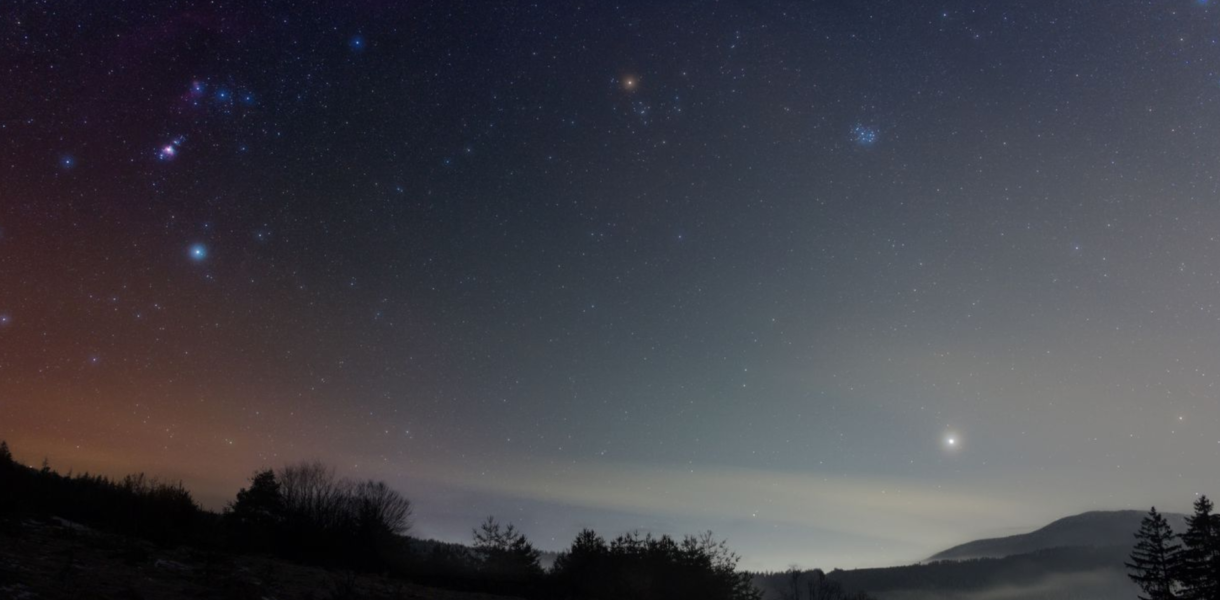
{"x":307,"y":513}
{"x":797,"y":584}
{"x":135,"y":505}
{"x":1165,"y":565}
{"x":650,"y":568}
{"x":502,"y":560}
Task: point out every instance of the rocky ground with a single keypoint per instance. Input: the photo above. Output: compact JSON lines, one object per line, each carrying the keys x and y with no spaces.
{"x":53,"y":559}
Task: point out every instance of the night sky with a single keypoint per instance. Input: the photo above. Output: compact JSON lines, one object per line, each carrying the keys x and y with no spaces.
{"x":843,"y":281}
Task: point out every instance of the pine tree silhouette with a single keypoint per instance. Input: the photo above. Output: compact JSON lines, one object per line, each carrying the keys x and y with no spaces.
{"x":1154,"y":560}
{"x":262,"y":503}
{"x":1200,"y":555}
{"x":505,"y":553}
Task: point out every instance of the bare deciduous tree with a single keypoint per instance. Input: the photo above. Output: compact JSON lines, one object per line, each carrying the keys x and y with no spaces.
{"x":381,"y":506}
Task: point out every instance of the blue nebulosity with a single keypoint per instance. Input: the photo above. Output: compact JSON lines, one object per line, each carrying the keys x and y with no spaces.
{"x":864,"y":135}
{"x":169,"y":151}
{"x":198,"y":252}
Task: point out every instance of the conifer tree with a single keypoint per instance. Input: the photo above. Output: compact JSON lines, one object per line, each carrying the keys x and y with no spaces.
{"x":1200,"y":556}
{"x":1154,"y":560}
{"x":260,"y":504}
{"x":505,"y":553}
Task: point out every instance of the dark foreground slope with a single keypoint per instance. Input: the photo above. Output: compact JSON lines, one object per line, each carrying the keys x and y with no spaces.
{"x":56,"y":559}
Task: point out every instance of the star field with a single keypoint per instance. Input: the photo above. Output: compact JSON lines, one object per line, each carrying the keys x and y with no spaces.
{"x":766,"y":268}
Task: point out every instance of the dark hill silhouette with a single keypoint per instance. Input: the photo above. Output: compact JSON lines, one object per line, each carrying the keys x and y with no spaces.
{"x":1069,"y":573}
{"x":1074,"y":558}
{"x":1091,"y":529}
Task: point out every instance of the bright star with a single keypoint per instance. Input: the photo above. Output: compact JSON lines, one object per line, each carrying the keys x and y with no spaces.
{"x":198,"y":252}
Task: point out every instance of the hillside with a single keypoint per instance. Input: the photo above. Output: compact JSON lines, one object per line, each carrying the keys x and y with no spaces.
{"x":57,"y":559}
{"x":1092,"y":529}
{"x":1057,"y":574}
{"x":1074,"y":558}
{"x":1076,"y":573}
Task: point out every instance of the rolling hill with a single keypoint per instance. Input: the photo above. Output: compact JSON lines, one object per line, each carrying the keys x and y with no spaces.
{"x":1090,"y":529}
{"x":1074,"y":558}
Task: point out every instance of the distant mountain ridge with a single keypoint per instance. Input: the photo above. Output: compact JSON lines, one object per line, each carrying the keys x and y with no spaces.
{"x":1091,"y":529}
{"x":1074,"y":558}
